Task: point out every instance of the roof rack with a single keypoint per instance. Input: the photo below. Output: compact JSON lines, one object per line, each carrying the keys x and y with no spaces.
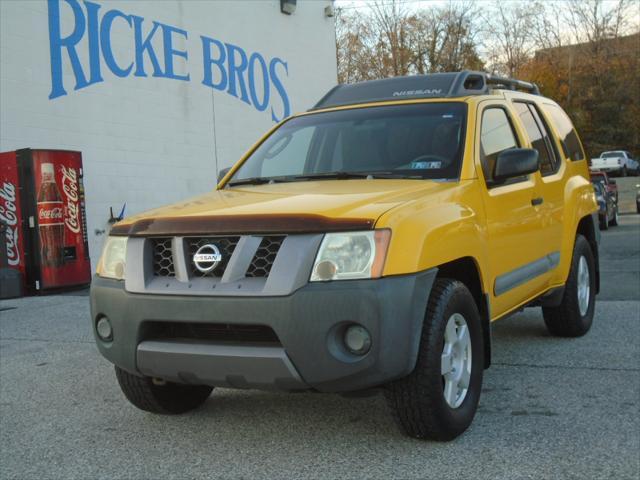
{"x":435,"y":85}
{"x":511,"y":84}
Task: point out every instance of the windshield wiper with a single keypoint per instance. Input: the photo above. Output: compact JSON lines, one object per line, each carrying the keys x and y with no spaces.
{"x":248,"y":181}
{"x":319,"y":176}
{"x":348,"y":175}
{"x":259,"y":180}
{"x":294,"y":178}
{"x":330,"y":175}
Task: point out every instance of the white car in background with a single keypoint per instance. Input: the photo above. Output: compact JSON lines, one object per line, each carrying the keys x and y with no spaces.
{"x":616,"y":161}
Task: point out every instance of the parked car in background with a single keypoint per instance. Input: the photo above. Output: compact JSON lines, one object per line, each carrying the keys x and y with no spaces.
{"x":609,"y":183}
{"x":617,"y":161}
{"x":608,"y":208}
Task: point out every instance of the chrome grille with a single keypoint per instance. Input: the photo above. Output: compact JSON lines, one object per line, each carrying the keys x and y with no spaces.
{"x":265,"y":256}
{"x":252,"y":266}
{"x":226,"y":245}
{"x":163,"y":258}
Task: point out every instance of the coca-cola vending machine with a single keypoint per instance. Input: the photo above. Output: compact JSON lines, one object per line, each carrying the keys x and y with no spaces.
{"x":42,"y":203}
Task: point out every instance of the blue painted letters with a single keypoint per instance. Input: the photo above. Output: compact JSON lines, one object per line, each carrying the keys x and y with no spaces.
{"x":245,"y":75}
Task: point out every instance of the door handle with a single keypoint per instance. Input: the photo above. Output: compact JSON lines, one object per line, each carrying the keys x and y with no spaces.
{"x":537,"y":201}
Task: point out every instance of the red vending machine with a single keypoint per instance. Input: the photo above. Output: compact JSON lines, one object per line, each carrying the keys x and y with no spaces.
{"x":12,"y":261}
{"x":48,"y":244}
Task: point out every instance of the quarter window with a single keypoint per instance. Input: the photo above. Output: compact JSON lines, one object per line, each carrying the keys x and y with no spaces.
{"x":540,"y":139}
{"x":496,"y":136}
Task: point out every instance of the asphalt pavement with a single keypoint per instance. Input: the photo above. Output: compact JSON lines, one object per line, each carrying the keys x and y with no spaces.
{"x":550,"y":408}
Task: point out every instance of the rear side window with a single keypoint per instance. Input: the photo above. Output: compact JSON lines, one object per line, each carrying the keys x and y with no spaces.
{"x":539,"y":136}
{"x":568,"y":137}
{"x":496,"y":135}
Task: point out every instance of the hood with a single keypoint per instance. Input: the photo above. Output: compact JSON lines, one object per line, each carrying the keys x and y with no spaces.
{"x":340,"y":200}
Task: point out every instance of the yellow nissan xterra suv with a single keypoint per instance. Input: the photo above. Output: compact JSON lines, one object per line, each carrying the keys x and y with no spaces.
{"x":369,"y":242}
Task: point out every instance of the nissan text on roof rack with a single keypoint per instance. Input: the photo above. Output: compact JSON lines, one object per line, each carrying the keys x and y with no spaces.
{"x":369,"y":242}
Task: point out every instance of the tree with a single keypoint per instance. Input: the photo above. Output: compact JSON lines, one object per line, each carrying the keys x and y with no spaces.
{"x":509,"y":28}
{"x":593,"y":70}
{"x":443,"y":39}
{"x":388,"y":41}
{"x":391,"y":22}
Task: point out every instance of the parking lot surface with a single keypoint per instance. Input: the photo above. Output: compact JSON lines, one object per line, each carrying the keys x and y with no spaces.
{"x":550,"y":407}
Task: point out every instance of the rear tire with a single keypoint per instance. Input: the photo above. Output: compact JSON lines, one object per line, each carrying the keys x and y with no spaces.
{"x":574,"y":316}
{"x":614,"y":220}
{"x":161,"y":397}
{"x":427,"y":403}
{"x":604,"y":222}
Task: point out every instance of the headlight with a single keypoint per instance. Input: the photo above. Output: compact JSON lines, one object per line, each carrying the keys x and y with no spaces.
{"x":113,"y":259}
{"x":351,"y":255}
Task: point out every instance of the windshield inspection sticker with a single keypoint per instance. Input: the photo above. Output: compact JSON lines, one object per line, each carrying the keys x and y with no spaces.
{"x":425,"y":165}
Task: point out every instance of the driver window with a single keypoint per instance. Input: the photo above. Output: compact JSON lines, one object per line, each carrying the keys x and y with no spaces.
{"x":288,"y":155}
{"x":496,"y":136}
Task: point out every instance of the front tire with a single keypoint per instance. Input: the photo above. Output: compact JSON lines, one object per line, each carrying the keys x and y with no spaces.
{"x":438,"y":400}
{"x":574,"y":316}
{"x":162,"y":397}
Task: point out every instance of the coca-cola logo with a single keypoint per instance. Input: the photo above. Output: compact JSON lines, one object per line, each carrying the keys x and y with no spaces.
{"x":71,"y":208}
{"x":8,"y":215}
{"x":50,"y":213}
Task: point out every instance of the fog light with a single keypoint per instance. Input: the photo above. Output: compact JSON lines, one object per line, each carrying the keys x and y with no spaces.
{"x":103,"y":327}
{"x":357,"y":340}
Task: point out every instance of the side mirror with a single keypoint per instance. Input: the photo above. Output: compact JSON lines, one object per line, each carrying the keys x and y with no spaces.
{"x":612,"y":181}
{"x":222,"y":173}
{"x":516,"y":162}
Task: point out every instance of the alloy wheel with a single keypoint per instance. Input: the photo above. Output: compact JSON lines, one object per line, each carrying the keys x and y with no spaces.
{"x":456,"y":360}
{"x":584,"y":286}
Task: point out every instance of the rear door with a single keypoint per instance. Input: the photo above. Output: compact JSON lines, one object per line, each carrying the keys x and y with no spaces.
{"x":552,"y":171}
{"x":519,"y":257}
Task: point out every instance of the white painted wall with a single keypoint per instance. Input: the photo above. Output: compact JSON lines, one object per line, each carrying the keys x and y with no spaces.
{"x":150,"y":141}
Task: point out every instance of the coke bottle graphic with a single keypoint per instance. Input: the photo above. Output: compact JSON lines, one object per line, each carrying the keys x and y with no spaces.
{"x":50,"y":218}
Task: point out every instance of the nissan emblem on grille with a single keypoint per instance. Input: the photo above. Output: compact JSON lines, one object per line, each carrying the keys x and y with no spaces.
{"x":207,"y":258}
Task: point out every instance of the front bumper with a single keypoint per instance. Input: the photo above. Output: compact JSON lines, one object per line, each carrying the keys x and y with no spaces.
{"x":308,"y":324}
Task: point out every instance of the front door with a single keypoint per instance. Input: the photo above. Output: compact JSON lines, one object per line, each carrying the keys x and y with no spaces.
{"x":519,"y":257}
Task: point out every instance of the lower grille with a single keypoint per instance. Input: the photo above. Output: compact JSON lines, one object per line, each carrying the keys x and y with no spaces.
{"x":214,"y":332}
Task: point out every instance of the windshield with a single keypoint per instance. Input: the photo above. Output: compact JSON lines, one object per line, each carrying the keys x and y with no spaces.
{"x":611,"y":154}
{"x":405,"y":141}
